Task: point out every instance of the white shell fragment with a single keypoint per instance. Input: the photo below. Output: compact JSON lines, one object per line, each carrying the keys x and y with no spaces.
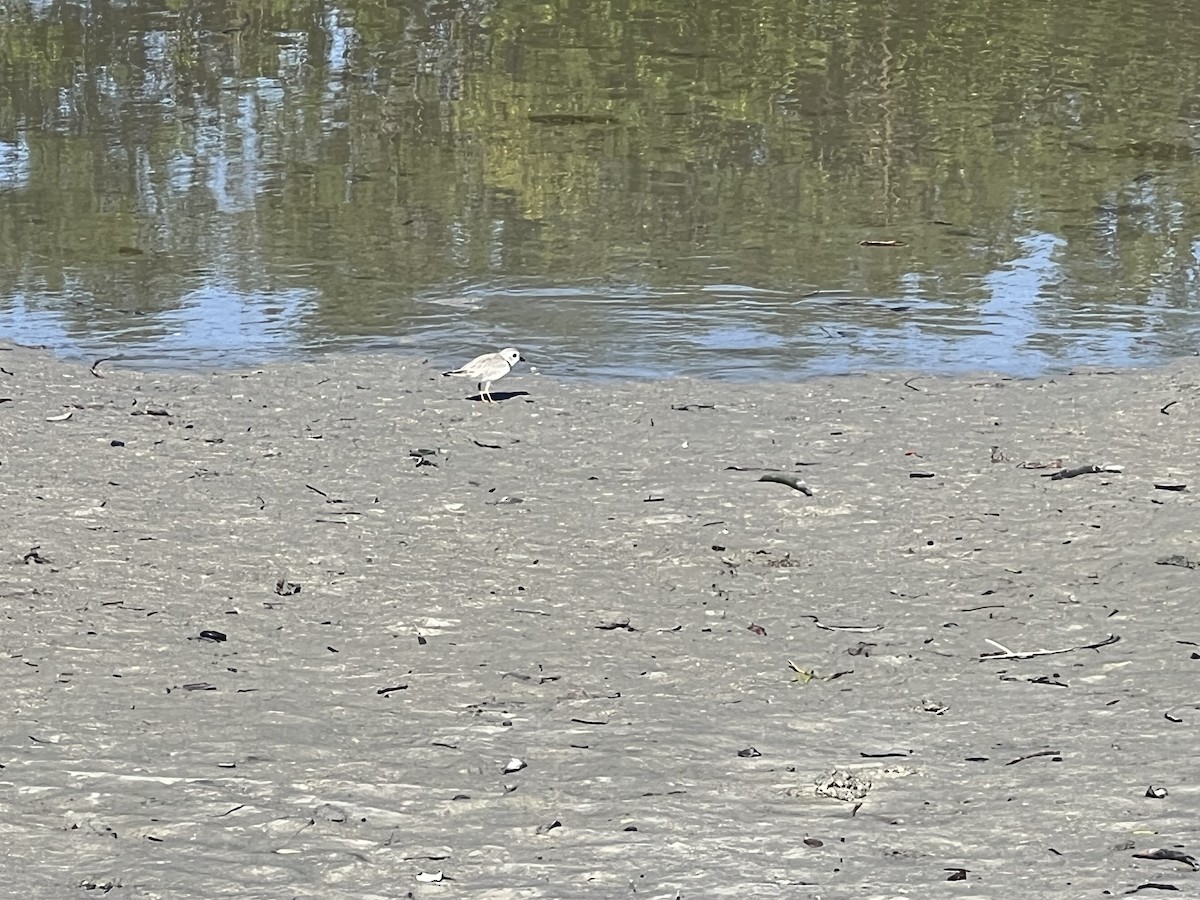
{"x":514,"y":765}
{"x":61,"y":417}
{"x":431,"y":877}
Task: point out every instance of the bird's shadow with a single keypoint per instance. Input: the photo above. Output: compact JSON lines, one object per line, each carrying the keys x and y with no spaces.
{"x":500,"y":396}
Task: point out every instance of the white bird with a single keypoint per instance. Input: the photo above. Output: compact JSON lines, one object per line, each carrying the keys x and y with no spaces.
{"x":488,"y":368}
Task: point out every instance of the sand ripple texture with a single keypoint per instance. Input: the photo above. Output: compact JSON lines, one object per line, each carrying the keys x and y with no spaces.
{"x":330,"y":630}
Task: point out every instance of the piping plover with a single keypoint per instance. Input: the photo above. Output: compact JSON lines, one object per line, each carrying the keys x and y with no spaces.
{"x":488,"y":368}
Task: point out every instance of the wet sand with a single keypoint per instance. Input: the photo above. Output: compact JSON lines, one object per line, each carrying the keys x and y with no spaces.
{"x":569,"y":579}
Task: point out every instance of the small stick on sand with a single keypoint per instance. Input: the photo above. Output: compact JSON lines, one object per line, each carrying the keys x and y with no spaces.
{"x":1005,"y":653}
{"x":790,"y":480}
{"x":94,"y":371}
{"x":329,"y":499}
{"x":1020,"y":759}
{"x":862,"y":629}
{"x":1083,"y":470}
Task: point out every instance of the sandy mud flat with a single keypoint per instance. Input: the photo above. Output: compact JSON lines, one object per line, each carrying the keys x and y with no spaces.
{"x":333,"y":630}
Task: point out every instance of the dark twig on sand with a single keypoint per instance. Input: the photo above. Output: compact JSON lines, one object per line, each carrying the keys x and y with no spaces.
{"x":861,"y":629}
{"x":1164,"y":409}
{"x":328,"y":499}
{"x":1005,"y":653}
{"x":1013,"y":762}
{"x":95,"y":366}
{"x":790,"y":480}
{"x":1083,"y":470}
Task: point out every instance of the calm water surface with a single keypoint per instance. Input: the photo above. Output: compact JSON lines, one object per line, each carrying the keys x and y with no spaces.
{"x":633,"y":188}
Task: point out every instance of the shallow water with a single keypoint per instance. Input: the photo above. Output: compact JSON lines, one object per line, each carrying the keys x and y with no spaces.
{"x":636,"y":189}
